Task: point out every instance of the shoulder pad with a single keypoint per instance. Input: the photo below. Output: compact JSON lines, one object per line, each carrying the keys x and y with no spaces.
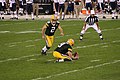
{"x":48,"y":22}
{"x":58,"y":22}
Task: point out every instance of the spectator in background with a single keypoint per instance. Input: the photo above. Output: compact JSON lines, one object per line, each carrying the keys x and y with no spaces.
{"x":13,"y":9}
{"x":113,"y":4}
{"x":36,"y":7}
{"x":2,"y":8}
{"x":71,"y":8}
{"x":29,"y":8}
{"x":118,"y":6}
{"x":66,"y":6}
{"x":94,"y":2}
{"x":61,"y":7}
{"x":88,"y":5}
{"x":79,"y":4}
{"x":100,"y":7}
{"x":20,"y":7}
{"x":56,"y":7}
{"x":24,"y":6}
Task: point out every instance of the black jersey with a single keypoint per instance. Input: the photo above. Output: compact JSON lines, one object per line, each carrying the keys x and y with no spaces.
{"x":91,"y":20}
{"x":63,"y":48}
{"x":50,"y":30}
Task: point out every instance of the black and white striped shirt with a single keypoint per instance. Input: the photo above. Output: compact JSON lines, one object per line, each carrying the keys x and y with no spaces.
{"x":91,"y":20}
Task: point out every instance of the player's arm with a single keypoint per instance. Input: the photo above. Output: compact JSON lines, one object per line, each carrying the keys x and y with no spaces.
{"x":70,"y":54}
{"x":61,"y":30}
{"x":43,"y":30}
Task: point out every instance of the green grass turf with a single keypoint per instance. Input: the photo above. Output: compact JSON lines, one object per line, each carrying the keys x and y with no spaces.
{"x":20,"y":57}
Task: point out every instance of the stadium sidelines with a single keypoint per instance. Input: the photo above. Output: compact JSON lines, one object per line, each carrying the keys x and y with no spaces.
{"x":19,"y":58}
{"x":78,"y":70}
{"x":15,"y":43}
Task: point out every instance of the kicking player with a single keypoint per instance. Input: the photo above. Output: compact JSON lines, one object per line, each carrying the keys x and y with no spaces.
{"x":91,"y":21}
{"x":48,"y":31}
{"x":64,"y":52}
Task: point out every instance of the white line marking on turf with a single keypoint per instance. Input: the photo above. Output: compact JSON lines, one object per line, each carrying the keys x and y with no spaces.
{"x":77,"y":70}
{"x":24,"y":32}
{"x":105,"y":46}
{"x":4,"y":31}
{"x":30,"y":46}
{"x":19,"y":58}
{"x":12,"y":59}
{"x":95,"y":60}
{"x":55,"y":37}
{"x":31,"y":60}
{"x":12,"y":45}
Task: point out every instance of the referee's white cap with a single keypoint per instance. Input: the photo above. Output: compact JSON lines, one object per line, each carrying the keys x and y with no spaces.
{"x":92,"y":12}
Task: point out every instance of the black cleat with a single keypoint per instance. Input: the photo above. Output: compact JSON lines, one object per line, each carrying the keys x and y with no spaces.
{"x":101,"y":38}
{"x":43,"y":53}
{"x":104,"y":17}
{"x":116,"y":17}
{"x":112,"y":17}
{"x":80,"y":39}
{"x":2,"y":17}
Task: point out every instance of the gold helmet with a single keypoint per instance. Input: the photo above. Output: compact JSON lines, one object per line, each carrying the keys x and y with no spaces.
{"x":71,"y":42}
{"x":53,"y":18}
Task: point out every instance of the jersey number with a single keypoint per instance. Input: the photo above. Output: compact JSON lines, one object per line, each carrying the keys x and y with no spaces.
{"x":52,"y":30}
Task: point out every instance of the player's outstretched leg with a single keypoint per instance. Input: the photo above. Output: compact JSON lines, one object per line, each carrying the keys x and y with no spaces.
{"x":44,"y":50}
{"x":100,"y":35}
{"x":81,"y":36}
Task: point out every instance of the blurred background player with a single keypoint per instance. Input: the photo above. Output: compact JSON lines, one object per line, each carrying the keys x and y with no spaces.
{"x":100,"y":7}
{"x":64,"y":52}
{"x":66,"y":7}
{"x":88,"y":5}
{"x":29,"y":10}
{"x":13,"y":9}
{"x":48,"y":31}
{"x":113,"y":4}
{"x":36,"y":7}
{"x":2,"y":8}
{"x":61,"y":8}
{"x":71,"y":8}
{"x":91,"y":22}
{"x":78,"y":5}
{"x":56,"y":7}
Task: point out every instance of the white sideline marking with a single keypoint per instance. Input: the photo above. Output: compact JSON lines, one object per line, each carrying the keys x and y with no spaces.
{"x":105,"y":46}
{"x":56,"y":37}
{"x":19,"y":58}
{"x":12,"y":45}
{"x":4,"y":31}
{"x":12,"y":59}
{"x":95,"y":60}
{"x":24,"y":32}
{"x":77,"y":70}
{"x":30,"y":46}
{"x":31,"y":60}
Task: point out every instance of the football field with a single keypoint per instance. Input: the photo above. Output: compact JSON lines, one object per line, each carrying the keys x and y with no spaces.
{"x":21,"y":59}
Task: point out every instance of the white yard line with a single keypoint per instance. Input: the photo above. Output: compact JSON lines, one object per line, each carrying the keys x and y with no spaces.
{"x":12,"y":45}
{"x":56,"y":37}
{"x":78,"y":70}
{"x":97,"y":60}
{"x":31,"y":60}
{"x":19,"y":58}
{"x":30,"y":46}
{"x":93,"y":45}
{"x":4,"y":31}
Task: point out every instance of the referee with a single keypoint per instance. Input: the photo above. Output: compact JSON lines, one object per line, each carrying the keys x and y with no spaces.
{"x":91,"y":22}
